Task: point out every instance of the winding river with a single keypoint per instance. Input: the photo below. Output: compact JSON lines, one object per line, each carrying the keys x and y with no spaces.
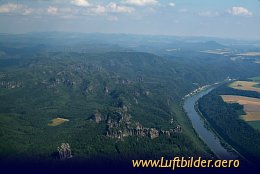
{"x":206,"y":135}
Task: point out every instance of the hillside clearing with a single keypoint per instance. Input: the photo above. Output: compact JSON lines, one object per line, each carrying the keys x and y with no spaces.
{"x":57,"y":121}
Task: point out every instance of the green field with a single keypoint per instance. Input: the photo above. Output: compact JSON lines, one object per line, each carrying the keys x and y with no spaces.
{"x":256,"y":79}
{"x":254,"y":124}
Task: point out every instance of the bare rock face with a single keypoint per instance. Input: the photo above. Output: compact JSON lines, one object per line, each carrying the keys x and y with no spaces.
{"x":168,"y":102}
{"x":106,"y":90}
{"x":64,"y":151}
{"x":153,"y":133}
{"x":178,"y":129}
{"x":125,"y":127}
{"x":124,"y":108}
{"x":97,"y":117}
{"x":147,"y":93}
{"x":139,"y":79}
{"x":166,"y":133}
{"x":11,"y":84}
{"x":121,"y":125}
{"x":136,"y":101}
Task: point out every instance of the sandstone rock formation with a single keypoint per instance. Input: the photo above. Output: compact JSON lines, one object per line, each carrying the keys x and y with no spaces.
{"x":97,"y":117}
{"x":64,"y":151}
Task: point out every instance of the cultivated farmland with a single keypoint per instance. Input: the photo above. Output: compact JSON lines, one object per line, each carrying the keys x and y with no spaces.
{"x":251,"y":106}
{"x":245,"y":85}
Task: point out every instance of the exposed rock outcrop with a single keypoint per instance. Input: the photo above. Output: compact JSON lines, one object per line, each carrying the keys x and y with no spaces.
{"x":97,"y":117}
{"x":106,"y":90}
{"x":11,"y":84}
{"x":153,"y":133}
{"x":124,"y":127}
{"x":64,"y":151}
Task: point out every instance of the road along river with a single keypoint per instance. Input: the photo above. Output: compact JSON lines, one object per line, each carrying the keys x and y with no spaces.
{"x":208,"y":136}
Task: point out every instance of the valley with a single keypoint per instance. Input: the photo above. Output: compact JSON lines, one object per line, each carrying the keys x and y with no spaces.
{"x":114,"y":104}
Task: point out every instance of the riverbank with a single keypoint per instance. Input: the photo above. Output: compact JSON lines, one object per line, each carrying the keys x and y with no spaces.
{"x":224,"y":143}
{"x":209,"y":137}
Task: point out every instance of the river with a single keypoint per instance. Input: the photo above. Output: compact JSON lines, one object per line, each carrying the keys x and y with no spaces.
{"x":205,"y":134}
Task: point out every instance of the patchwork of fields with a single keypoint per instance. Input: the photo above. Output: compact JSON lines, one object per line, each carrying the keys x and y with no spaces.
{"x":251,"y":106}
{"x":245,"y":85}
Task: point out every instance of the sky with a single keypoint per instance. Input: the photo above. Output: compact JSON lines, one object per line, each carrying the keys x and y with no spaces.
{"x":239,"y":19}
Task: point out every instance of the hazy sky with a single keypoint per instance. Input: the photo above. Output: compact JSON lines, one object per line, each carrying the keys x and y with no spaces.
{"x":220,"y":18}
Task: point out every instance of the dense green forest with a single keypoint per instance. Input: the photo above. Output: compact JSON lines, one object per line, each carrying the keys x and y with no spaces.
{"x":107,"y":91}
{"x":225,"y":119}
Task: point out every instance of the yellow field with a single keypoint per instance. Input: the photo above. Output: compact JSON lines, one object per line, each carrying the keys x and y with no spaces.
{"x":245,"y":85}
{"x":221,"y":52}
{"x":251,"y":106}
{"x":57,"y":121}
{"x":250,"y":54}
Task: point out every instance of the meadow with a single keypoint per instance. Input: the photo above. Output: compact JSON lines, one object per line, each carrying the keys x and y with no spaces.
{"x":57,"y":121}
